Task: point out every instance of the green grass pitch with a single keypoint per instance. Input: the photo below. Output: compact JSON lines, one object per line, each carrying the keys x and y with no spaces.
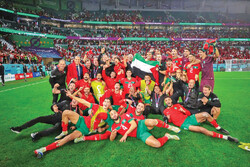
{"x":22,"y":101}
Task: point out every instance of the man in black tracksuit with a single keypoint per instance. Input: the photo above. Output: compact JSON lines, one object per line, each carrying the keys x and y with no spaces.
{"x":191,"y":93}
{"x":53,"y":119}
{"x":209,"y":102}
{"x":58,"y":77}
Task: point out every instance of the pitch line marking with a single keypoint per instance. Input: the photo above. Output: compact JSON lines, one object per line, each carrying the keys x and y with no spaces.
{"x":23,"y":86}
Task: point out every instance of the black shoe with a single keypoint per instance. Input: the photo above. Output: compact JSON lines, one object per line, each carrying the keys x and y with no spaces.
{"x":34,"y":136}
{"x":223,"y":131}
{"x":15,"y":129}
{"x":230,"y":138}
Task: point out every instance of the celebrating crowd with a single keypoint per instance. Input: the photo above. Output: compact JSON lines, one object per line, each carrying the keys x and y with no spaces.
{"x":104,"y":95}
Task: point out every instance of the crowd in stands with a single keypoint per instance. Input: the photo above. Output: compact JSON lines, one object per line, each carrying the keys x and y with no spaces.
{"x":17,"y":56}
{"x":121,"y":48}
{"x":132,"y":16}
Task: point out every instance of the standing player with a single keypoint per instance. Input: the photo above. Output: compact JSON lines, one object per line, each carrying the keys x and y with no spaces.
{"x":207,"y":76}
{"x":98,"y":87}
{"x":180,"y":116}
{"x":127,"y":126}
{"x":193,"y":70}
{"x":128,"y":82}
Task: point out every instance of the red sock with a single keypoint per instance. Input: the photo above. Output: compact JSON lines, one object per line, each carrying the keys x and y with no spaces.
{"x":163,"y":140}
{"x":98,"y":136}
{"x":64,"y":127}
{"x":161,"y":124}
{"x":217,"y":135}
{"x":214,"y":123}
{"x":52,"y":146}
{"x":92,"y":137}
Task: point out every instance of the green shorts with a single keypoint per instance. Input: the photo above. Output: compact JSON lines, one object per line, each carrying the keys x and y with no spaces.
{"x":81,"y":126}
{"x":142,"y":131}
{"x":191,"y":120}
{"x":115,"y":107}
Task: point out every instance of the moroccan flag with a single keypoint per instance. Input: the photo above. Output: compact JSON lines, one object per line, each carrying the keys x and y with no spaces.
{"x":141,"y":67}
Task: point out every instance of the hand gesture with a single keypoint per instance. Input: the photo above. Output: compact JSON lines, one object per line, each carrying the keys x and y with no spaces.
{"x":123,"y":139}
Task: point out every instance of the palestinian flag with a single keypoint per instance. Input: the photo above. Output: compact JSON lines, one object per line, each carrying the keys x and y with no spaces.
{"x":141,"y":67}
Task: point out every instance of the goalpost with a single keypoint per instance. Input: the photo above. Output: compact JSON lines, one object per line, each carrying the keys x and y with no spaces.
{"x":237,"y":65}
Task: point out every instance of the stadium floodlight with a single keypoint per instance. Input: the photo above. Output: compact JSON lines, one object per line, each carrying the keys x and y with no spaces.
{"x":237,"y":65}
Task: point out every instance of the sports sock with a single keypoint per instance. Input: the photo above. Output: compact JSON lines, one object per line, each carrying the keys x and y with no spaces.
{"x":64,"y":127}
{"x":214,"y":123}
{"x":52,"y":146}
{"x":161,"y":124}
{"x":217,"y":135}
{"x":163,"y":140}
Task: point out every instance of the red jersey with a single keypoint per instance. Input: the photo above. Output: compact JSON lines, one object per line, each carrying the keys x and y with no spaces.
{"x":101,"y":116}
{"x":82,"y":83}
{"x":123,"y":126}
{"x":131,"y":112}
{"x":117,"y":97}
{"x":177,"y":62}
{"x":88,"y":98}
{"x":127,"y":84}
{"x":109,"y":81}
{"x":176,"y":115}
{"x":171,"y":69}
{"x":192,"y":71}
{"x":120,"y":71}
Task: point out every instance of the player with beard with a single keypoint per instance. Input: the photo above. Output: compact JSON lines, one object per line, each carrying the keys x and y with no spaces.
{"x":109,"y":80}
{"x":84,"y":125}
{"x":185,"y":59}
{"x":57,"y":78}
{"x":193,"y":70}
{"x":127,"y":126}
{"x":128,"y":82}
{"x":134,"y":112}
{"x":71,"y":88}
{"x":85,"y":82}
{"x":181,"y":117}
{"x":88,"y":97}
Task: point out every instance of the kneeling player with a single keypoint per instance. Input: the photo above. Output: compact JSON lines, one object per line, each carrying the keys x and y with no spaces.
{"x":180,"y":116}
{"x":84,"y":125}
{"x":127,"y":126}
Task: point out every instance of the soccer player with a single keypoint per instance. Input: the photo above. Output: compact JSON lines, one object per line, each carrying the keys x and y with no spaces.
{"x":193,"y":70}
{"x":135,"y":112}
{"x":119,"y":68}
{"x":53,"y":119}
{"x":71,"y":88}
{"x":110,"y":81}
{"x":185,"y":59}
{"x":85,"y":82}
{"x":84,"y":125}
{"x":209,"y":102}
{"x":180,"y":116}
{"x":98,"y":87}
{"x":58,"y":77}
{"x":127,"y":126}
{"x":88,"y":97}
{"x":207,"y":75}
{"x":25,"y":70}
{"x":128,"y":82}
